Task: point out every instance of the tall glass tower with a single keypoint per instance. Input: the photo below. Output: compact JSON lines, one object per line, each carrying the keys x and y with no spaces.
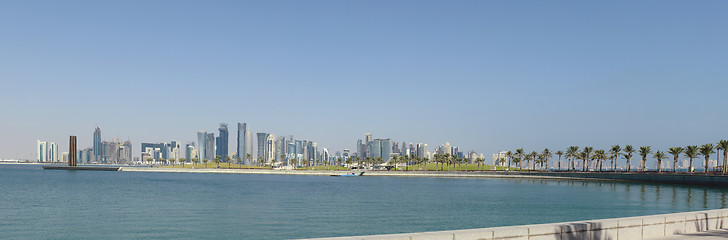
{"x":98,"y":148}
{"x":201,"y":142}
{"x":242,"y":127}
{"x":222,"y":141}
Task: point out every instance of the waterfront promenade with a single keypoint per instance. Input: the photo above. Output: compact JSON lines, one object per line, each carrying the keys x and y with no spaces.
{"x":670,"y":178}
{"x":710,"y":224}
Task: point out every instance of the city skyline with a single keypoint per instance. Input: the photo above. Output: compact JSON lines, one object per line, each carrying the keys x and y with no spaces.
{"x":552,"y":76}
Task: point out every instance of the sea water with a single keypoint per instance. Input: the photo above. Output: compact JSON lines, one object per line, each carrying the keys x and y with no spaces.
{"x":58,"y":204}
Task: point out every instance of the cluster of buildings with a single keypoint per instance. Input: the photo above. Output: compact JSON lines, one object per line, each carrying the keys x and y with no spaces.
{"x":385,"y":149}
{"x":103,"y":152}
{"x":282,"y":150}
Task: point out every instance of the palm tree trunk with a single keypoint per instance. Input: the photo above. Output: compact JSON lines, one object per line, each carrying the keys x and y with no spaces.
{"x":707,"y":156}
{"x":674,"y":165}
{"x":725,"y":157}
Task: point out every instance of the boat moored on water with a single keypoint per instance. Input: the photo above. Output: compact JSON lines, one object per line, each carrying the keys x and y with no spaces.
{"x":348,"y":175}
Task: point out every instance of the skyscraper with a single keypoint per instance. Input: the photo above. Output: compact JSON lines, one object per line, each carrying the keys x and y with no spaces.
{"x":98,"y":148}
{"x":52,"y":152}
{"x":248,"y":146}
{"x":375,"y":149}
{"x":261,"y":145}
{"x":42,"y":151}
{"x":270,"y":148}
{"x":367,"y":138}
{"x":210,"y":146}
{"x":386,"y":149}
{"x":242,"y":127}
{"x":202,"y":142}
{"x":222,"y":141}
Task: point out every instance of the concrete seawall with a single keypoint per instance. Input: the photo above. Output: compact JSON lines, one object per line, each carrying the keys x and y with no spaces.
{"x":644,"y":227}
{"x":683,"y":178}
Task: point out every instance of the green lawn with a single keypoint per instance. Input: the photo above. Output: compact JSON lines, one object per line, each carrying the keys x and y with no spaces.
{"x":327,"y":168}
{"x":418,"y":167}
{"x":213,"y":165}
{"x":462,"y":167}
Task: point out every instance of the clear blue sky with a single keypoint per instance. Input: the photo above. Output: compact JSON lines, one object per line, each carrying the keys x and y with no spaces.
{"x":483,"y":75}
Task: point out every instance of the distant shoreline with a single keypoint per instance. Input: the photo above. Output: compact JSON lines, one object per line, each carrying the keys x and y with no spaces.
{"x":660,"y":178}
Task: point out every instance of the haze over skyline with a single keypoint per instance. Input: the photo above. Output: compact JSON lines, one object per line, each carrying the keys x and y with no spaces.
{"x":482,"y":75}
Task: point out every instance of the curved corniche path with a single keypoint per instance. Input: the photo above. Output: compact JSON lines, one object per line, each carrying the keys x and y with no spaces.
{"x":671,"y":178}
{"x":644,"y":227}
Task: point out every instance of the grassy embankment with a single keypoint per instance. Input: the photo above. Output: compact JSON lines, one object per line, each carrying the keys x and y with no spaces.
{"x":214,"y":165}
{"x":418,"y":167}
{"x":462,"y":167}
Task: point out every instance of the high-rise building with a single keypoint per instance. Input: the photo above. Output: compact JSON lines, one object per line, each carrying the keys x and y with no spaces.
{"x":280,"y":149}
{"x":261,"y":145}
{"x":98,"y":148}
{"x":210,"y":146}
{"x":346,"y":154}
{"x":52,"y":152}
{"x":222,"y":142}
{"x":155,"y":150}
{"x":386,"y":149}
{"x":188,"y":153}
{"x":42,"y":151}
{"x":367,"y":138}
{"x":248,"y":147}
{"x":242,"y":127}
{"x":202,"y":142}
{"x":270,"y":148}
{"x":375,"y":149}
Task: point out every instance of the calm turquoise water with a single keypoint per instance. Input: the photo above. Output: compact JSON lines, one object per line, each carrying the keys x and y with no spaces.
{"x":54,"y":204}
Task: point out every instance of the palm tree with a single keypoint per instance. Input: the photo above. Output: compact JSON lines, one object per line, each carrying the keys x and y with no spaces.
{"x":240,"y":161}
{"x":519,"y":154}
{"x":534,"y":157}
{"x":249,"y":158}
{"x":260,"y":161}
{"x":675,"y":151}
{"x":527,"y":158}
{"x":172,"y":160}
{"x":659,"y":156}
{"x":600,"y":155}
{"x":424,"y":160}
{"x":195,"y":161}
{"x":691,"y":152}
{"x":706,"y":150}
{"x":339,"y":161}
{"x":628,"y":150}
{"x":571,"y":154}
{"x":546,"y":153}
{"x":348,"y":162}
{"x":614,"y":155}
{"x":149,"y":160}
{"x":182,"y":160}
{"x":216,"y":160}
{"x":509,"y":155}
{"x":516,"y":160}
{"x":227,"y":159}
{"x":481,"y":160}
{"x":273,"y":163}
{"x":294,"y":161}
{"x":587,"y":151}
{"x":205,"y":161}
{"x":393,"y":162}
{"x":162,"y":160}
{"x":559,"y":153}
{"x":644,"y":150}
{"x":723,"y":145}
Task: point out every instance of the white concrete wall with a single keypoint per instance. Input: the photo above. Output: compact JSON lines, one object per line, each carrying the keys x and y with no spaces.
{"x":643,"y":227}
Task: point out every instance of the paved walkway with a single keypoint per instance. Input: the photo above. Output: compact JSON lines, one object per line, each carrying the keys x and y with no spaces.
{"x":710,"y":235}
